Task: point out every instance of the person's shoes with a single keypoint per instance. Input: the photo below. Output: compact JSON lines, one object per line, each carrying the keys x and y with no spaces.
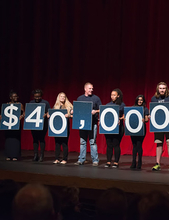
{"x":133,"y":166}
{"x":14,"y":159}
{"x":95,"y":164}
{"x":41,"y":158}
{"x":36,"y":158}
{"x":56,"y":162}
{"x":78,"y":163}
{"x":138,"y":167}
{"x":107,"y":165}
{"x":156,"y":167}
{"x":63,"y":162}
{"x":115,"y":165}
{"x":8,"y":158}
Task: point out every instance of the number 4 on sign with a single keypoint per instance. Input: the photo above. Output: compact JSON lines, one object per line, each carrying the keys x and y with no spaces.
{"x":34,"y":116}
{"x":37,"y":120}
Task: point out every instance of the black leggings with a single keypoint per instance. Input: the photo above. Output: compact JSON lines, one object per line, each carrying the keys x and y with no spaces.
{"x":137,"y":148}
{"x":39,"y":137}
{"x":113,"y":142}
{"x":64,"y":142}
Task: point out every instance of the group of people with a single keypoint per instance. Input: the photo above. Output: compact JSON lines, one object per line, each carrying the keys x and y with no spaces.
{"x":112,"y":140}
{"x":36,"y":201}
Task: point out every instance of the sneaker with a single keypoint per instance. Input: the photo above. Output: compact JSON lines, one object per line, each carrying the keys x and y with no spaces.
{"x":95,"y":164}
{"x":107,"y":165}
{"x":115,"y":165}
{"x":156,"y":167}
{"x":78,"y":163}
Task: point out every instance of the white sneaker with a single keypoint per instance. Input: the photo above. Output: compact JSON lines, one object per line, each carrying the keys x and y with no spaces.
{"x":95,"y":164}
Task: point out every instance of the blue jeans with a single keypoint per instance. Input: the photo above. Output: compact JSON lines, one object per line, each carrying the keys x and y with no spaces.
{"x":84,"y":134}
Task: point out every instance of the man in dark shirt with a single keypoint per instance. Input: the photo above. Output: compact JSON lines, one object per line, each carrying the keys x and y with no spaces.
{"x":85,"y":134}
{"x":39,"y":136}
{"x":161,"y":96}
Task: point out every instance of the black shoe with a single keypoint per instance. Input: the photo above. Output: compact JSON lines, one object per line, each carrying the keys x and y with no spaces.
{"x":133,"y":166}
{"x":138,"y":167}
{"x":36,"y":158}
{"x":107,"y":165}
{"x":115,"y":165}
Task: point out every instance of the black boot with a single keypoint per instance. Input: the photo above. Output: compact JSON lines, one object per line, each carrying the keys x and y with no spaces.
{"x":36,"y":158}
{"x":133,"y":165}
{"x":42,"y":149}
{"x":41,"y":158}
{"x":140,"y":153}
{"x":139,"y":162}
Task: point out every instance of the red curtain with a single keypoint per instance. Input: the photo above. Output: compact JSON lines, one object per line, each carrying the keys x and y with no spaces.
{"x":59,"y":45}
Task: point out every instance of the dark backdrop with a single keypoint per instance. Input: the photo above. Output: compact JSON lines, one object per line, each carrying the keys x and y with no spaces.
{"x":59,"y":45}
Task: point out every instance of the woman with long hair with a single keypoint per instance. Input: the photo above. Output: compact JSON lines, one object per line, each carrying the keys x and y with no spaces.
{"x":138,"y":140}
{"x":113,"y":140}
{"x":62,"y":102}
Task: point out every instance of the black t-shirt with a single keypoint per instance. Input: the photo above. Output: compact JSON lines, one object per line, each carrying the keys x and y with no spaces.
{"x":161,"y":99}
{"x":47,"y":105}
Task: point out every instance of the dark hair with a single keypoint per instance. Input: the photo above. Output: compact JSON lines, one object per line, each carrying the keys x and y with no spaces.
{"x":154,"y":205}
{"x":119,"y":100}
{"x":37,"y":91}
{"x":144,"y":101}
{"x":112,"y":204}
{"x":11,"y":93}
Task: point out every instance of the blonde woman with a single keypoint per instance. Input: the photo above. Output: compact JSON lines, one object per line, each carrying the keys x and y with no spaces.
{"x":62,"y":102}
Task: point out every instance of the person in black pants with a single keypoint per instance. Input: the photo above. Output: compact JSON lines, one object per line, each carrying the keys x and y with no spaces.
{"x":113,"y":140}
{"x":62,"y":102}
{"x":39,"y":136}
{"x":138,"y":140}
{"x":13,"y":137}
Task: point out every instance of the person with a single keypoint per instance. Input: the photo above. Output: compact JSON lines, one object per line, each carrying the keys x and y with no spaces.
{"x":39,"y":136}
{"x":70,"y":204}
{"x":112,"y":204}
{"x":138,"y":140}
{"x":85,"y":134}
{"x":33,"y":201}
{"x":113,"y":140}
{"x":161,"y":96}
{"x":62,"y":102}
{"x":154,"y":205}
{"x":13,"y":137}
{"x":8,"y":190}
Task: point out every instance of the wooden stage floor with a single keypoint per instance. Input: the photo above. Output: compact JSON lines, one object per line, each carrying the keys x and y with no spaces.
{"x":86,"y":176}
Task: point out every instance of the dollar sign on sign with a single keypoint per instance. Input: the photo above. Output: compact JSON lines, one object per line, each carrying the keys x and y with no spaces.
{"x":13,"y":120}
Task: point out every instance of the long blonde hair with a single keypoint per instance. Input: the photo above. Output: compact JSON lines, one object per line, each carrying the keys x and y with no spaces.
{"x":66,"y":105}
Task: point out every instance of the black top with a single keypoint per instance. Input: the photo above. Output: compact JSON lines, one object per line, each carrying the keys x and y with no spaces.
{"x":121,"y":107}
{"x":121,"y":110}
{"x":161,"y":99}
{"x":47,"y":106}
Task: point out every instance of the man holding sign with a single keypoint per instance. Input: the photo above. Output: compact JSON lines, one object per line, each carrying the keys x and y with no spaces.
{"x":91,"y":134}
{"x":161,"y":96}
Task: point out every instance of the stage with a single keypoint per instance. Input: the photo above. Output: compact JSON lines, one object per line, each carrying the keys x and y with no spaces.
{"x":86,"y":176}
